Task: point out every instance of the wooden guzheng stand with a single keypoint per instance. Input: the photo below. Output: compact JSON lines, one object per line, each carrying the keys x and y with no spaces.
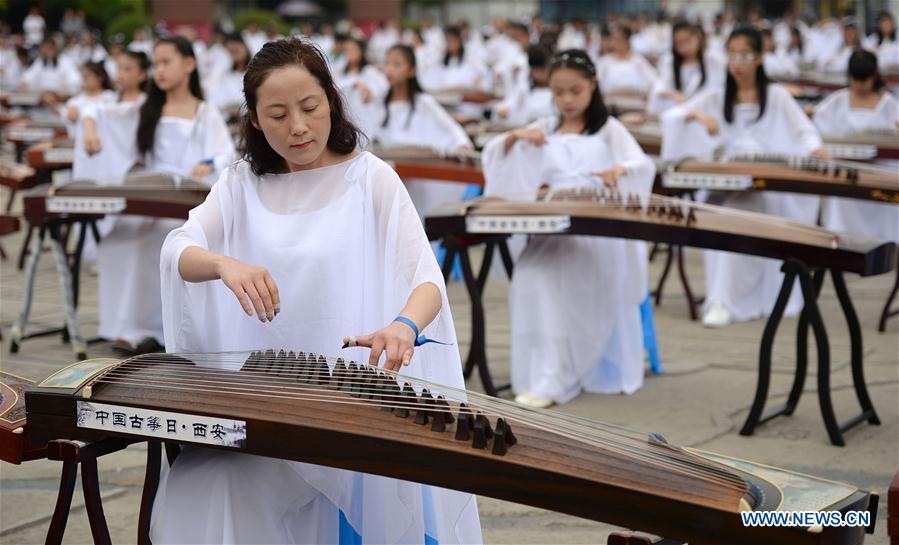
{"x":807,"y":252}
{"x":326,"y":411}
{"x":16,"y":446}
{"x":52,"y":211}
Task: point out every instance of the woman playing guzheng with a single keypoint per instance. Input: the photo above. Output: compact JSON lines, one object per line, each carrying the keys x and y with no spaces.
{"x":747,"y":115}
{"x":574,"y":300}
{"x":866,"y":106}
{"x":305,"y":241}
{"x":173,"y":131}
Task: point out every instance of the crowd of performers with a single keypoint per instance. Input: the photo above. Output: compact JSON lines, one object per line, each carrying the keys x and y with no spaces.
{"x":308,"y":240}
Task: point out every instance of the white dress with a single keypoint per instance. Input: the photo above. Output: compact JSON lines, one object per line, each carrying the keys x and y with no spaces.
{"x":80,"y":103}
{"x":525,"y":104}
{"x":225,"y":89}
{"x":746,"y":285}
{"x":835,"y":117}
{"x":574,"y":300}
{"x":690,"y":77}
{"x":429,"y":125}
{"x":127,"y":257}
{"x":346,"y":248}
{"x":617,"y":75}
{"x":367,"y":115}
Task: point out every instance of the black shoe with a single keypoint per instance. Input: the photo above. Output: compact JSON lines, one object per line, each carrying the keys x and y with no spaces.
{"x":148,"y":346}
{"x":122,"y":349}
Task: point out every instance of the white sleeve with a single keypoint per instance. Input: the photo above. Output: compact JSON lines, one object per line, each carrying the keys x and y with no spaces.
{"x":31,"y":77}
{"x":829,"y":113}
{"x":639,"y":169}
{"x":681,"y":139}
{"x":452,"y":135}
{"x":806,"y":137}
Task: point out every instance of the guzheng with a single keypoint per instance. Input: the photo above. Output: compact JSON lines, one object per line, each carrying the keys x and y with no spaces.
{"x":143,"y":194}
{"x":15,"y":446}
{"x":608,"y":212}
{"x":785,"y":173}
{"x":326,"y":411}
{"x":412,"y":162}
{"x":50,"y":155}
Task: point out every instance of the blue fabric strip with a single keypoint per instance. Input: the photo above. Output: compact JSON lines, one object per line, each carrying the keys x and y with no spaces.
{"x":347,"y":535}
{"x":419,"y":339}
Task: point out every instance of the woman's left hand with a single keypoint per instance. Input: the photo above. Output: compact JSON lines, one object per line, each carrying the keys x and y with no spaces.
{"x":610,"y":176}
{"x":200,"y":170}
{"x":397,"y":341}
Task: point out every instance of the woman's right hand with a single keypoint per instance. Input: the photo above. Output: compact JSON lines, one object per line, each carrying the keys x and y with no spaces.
{"x":711,"y":124}
{"x":253,"y":286}
{"x":92,"y":144}
{"x":532,"y":135}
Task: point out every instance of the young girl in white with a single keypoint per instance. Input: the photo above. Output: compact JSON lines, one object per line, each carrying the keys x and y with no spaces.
{"x":883,"y":41}
{"x":866,"y":106}
{"x":531,"y":100}
{"x":96,"y":89}
{"x":747,"y":115}
{"x":574,"y":300}
{"x":225,"y":86}
{"x":414,"y":118}
{"x":363,"y":85}
{"x":622,"y":71}
{"x":51,"y":73}
{"x":687,"y":70}
{"x":319,"y":241}
{"x":172,"y":131}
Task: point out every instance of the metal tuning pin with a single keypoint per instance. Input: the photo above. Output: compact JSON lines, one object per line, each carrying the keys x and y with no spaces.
{"x":503,"y":438}
{"x":464,"y":423}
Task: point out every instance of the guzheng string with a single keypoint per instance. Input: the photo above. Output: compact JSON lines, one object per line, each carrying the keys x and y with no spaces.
{"x":168,"y":372}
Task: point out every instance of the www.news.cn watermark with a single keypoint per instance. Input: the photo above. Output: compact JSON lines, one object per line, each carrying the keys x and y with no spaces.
{"x":806,"y":518}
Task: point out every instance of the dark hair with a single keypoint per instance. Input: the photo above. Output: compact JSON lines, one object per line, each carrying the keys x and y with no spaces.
{"x":454,"y":31}
{"x":863,"y":65}
{"x":55,"y":60}
{"x":255,"y":149}
{"x":235,"y":38}
{"x":363,"y":47}
{"x":151,"y":110}
{"x":679,"y":60}
{"x":97,"y":69}
{"x":761,"y":78}
{"x":414,"y":87}
{"x":880,"y":36}
{"x":538,"y":57}
{"x":576,"y":59}
{"x":794,"y":31}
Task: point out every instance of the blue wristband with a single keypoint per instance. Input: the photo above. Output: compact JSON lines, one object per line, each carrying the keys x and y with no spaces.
{"x":419,"y":339}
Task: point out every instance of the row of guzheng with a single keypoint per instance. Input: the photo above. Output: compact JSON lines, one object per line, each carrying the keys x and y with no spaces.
{"x":605,"y":211}
{"x":775,"y":172}
{"x":327,"y":411}
{"x":418,"y":162}
{"x":143,"y":194}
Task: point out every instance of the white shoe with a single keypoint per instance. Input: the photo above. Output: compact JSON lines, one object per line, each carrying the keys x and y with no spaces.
{"x":525,"y":398}
{"x":718,"y":315}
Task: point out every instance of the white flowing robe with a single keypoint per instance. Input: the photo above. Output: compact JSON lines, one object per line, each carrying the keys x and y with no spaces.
{"x":127,"y":258}
{"x":746,"y":285}
{"x":617,"y":75}
{"x":574,"y":300}
{"x":835,"y":117}
{"x":346,"y":248}
{"x":61,"y":78}
{"x":428,"y":125}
